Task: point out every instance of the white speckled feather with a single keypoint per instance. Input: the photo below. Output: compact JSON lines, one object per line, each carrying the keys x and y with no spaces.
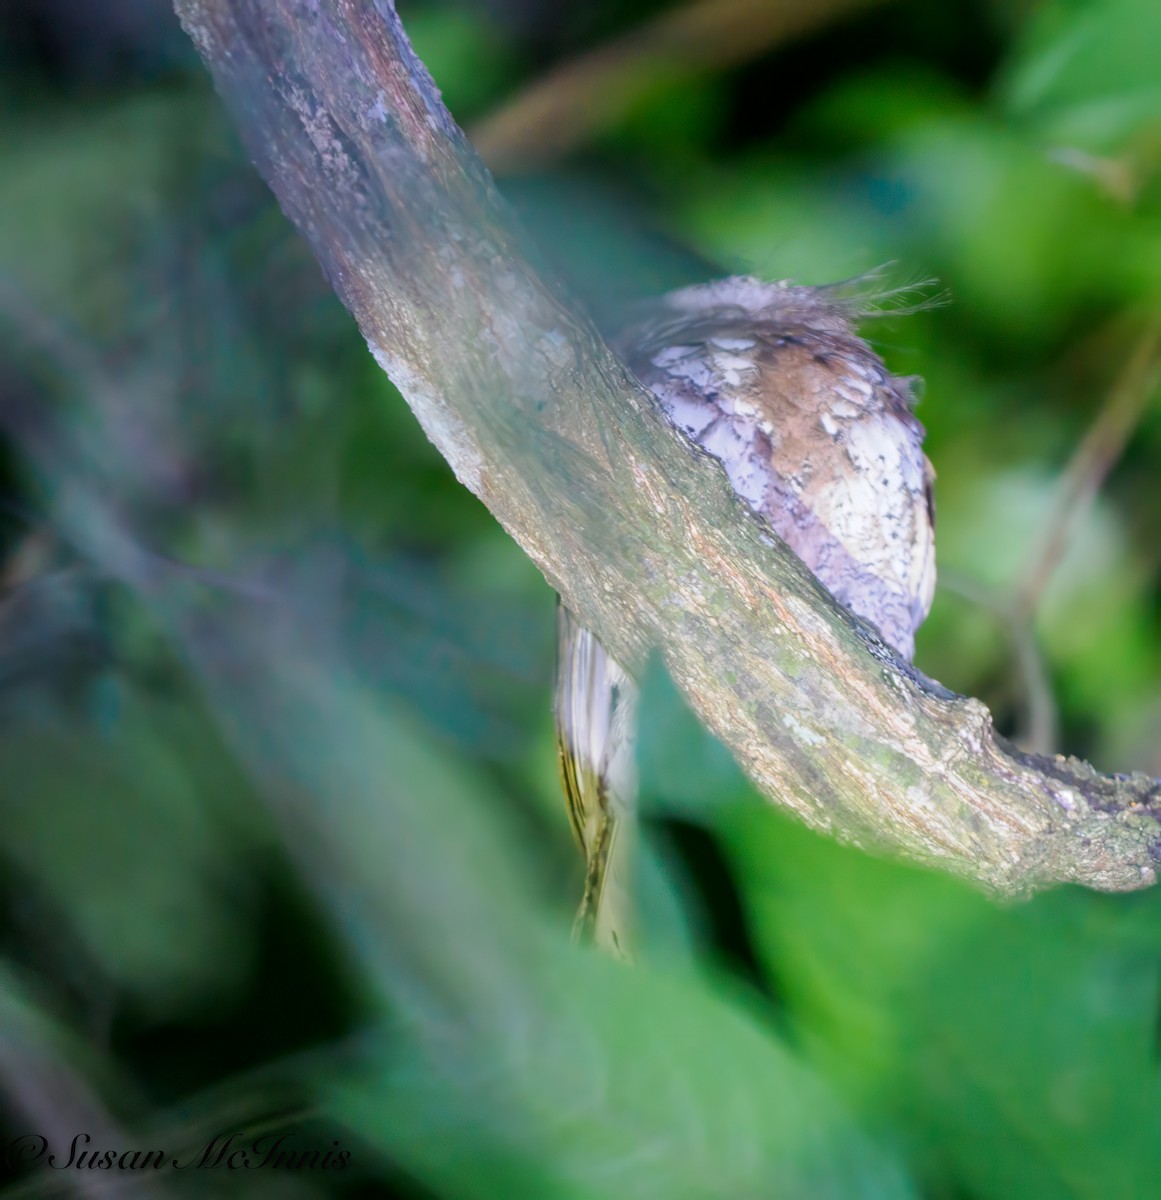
{"x":815,"y":434}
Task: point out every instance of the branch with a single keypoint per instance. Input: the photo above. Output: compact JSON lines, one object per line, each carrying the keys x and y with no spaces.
{"x":1095,"y":457}
{"x":584,"y":96}
{"x":640,"y":534}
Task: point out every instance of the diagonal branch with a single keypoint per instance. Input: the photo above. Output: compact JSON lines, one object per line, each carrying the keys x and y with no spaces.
{"x":639,"y":533}
{"x":587,"y":95}
{"x":1095,"y":457}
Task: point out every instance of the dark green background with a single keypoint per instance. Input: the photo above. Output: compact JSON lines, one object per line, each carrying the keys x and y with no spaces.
{"x":281,"y":841}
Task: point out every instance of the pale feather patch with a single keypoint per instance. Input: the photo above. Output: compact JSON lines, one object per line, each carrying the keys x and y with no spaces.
{"x":814,"y":433}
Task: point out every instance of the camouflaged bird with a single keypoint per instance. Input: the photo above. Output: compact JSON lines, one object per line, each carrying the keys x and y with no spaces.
{"x":816,"y":437}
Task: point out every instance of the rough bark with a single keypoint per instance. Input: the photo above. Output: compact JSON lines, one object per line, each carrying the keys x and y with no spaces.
{"x":639,"y":532}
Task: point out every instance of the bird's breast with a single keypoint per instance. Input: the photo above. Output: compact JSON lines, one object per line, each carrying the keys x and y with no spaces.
{"x":819,"y":439}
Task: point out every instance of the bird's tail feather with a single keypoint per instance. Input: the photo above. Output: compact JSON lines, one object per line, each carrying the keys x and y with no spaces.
{"x":596,"y":733}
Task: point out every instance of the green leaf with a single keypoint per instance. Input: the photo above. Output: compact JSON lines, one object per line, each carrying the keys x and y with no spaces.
{"x":1012,"y":1046}
{"x":1086,"y":74}
{"x":594,"y":1081}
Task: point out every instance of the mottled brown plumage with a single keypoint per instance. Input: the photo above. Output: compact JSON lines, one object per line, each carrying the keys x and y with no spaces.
{"x":819,"y":439}
{"x":814,"y":432}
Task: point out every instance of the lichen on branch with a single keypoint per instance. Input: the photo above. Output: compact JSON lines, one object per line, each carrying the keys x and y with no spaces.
{"x":639,"y":532}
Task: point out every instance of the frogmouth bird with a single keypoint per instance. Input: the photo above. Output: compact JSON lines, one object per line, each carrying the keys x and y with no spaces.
{"x":819,"y":439}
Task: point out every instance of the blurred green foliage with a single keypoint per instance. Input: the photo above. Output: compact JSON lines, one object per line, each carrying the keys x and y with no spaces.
{"x":283,"y":846}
